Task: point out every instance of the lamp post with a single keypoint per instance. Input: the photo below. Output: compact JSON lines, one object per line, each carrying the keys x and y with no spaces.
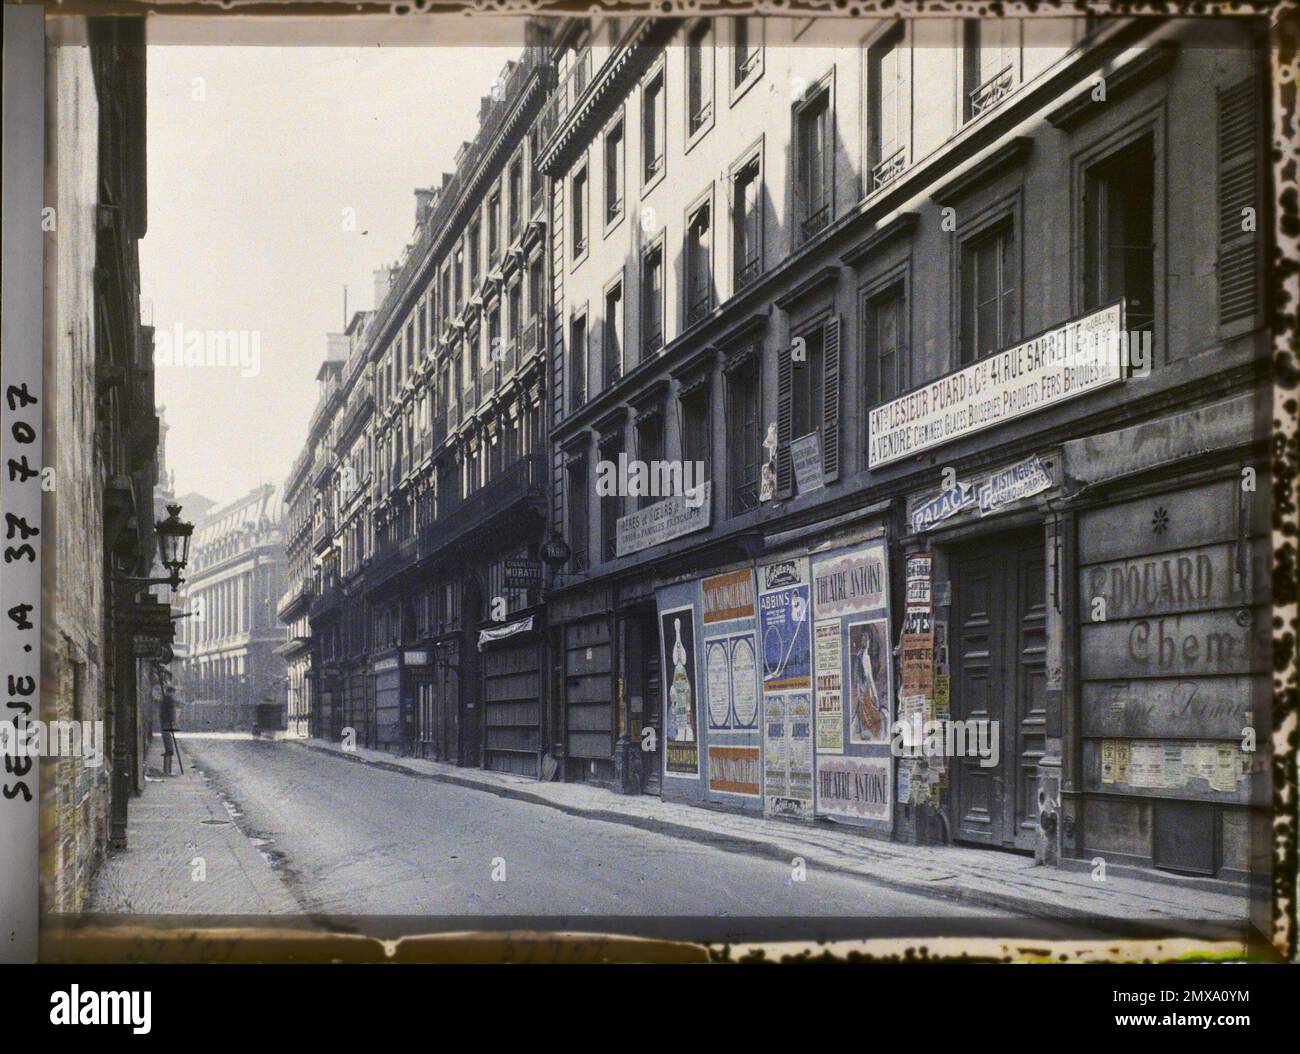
{"x":173,"y":552}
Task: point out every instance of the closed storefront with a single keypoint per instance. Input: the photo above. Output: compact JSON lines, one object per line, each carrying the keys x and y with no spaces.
{"x":388,"y":676}
{"x":512,"y":697}
{"x":586,"y":677}
{"x":1174,"y":643}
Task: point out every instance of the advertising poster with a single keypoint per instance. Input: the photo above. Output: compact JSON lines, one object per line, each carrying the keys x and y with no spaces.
{"x":728,"y":612}
{"x":828,"y":657}
{"x":681,"y":692}
{"x":851,"y":608}
{"x":785,"y":635}
{"x":869,"y":681}
{"x":855,"y":788}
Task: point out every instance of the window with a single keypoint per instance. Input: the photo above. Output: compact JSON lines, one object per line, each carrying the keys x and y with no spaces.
{"x":536,"y":289}
{"x":746,"y":55}
{"x":746,"y":224}
{"x":1240,"y":268}
{"x":515,"y":318}
{"x":459,"y":275}
{"x":815,"y":158}
{"x":808,"y":400}
{"x":887,"y":89}
{"x":988,"y":292}
{"x":576,"y":473}
{"x":989,"y":62}
{"x":475,"y":247}
{"x":653,"y":126}
{"x":649,"y":447}
{"x":697,"y":435}
{"x":1118,"y":242}
{"x":577,"y":362}
{"x":699,"y":266}
{"x":515,"y":199}
{"x":886,"y":345}
{"x":610,"y":504}
{"x":699,"y":77}
{"x":494,"y":229}
{"x":807,"y":388}
{"x":614,"y":173}
{"x":579,"y":198}
{"x":613,"y":333}
{"x":652,"y":301}
{"x":744,"y":440}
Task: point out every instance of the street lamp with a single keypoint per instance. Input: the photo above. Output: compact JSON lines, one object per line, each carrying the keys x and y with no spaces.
{"x":174,"y":543}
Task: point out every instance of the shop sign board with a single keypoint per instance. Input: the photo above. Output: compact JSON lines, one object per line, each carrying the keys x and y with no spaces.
{"x":1063,"y":363}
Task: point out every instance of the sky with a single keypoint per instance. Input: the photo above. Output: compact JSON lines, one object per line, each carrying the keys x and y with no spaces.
{"x":254,"y":154}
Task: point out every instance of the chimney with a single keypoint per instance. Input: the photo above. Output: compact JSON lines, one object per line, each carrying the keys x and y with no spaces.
{"x":484,"y":107}
{"x":383,"y":279}
{"x":424,"y":198}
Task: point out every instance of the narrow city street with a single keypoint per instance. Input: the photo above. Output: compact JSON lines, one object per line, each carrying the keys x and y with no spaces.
{"x":353,"y":839}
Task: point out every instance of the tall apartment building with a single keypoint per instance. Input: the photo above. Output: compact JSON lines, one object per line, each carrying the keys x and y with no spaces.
{"x":233,"y":584}
{"x":427,"y":468}
{"x":965,"y":323}
{"x":101,"y":446}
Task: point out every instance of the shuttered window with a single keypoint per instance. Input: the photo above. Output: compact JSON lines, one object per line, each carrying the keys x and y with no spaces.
{"x":808,"y":400}
{"x":1239,"y":189}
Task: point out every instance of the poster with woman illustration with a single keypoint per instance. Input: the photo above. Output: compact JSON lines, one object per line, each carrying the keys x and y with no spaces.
{"x":869,"y":687}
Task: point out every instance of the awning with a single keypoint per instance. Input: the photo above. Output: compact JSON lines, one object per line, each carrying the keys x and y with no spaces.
{"x":510,"y":629}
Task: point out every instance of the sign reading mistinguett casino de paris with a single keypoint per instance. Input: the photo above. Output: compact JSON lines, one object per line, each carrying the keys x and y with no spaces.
{"x":1062,"y":363}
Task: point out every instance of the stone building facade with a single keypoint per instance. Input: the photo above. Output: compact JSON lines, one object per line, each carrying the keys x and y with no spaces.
{"x":231,"y":632}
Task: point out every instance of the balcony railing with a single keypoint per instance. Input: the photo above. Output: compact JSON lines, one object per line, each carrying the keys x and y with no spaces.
{"x":990,"y":93}
{"x":701,"y":117}
{"x":522,"y":481}
{"x":566,"y":95}
{"x":654,"y":340}
{"x":528,"y":342}
{"x":817,"y":214}
{"x":747,"y":270}
{"x":301,"y":590}
{"x":699,"y":307}
{"x":889,"y":169}
{"x":487,"y":380}
{"x":322,"y":531}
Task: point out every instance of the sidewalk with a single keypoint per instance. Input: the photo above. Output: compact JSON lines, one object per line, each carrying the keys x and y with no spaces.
{"x":178,"y":821}
{"x":1001,"y":880}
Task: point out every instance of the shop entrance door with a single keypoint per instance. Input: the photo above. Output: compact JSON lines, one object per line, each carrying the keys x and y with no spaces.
{"x":652,"y":708}
{"x":999,"y":676}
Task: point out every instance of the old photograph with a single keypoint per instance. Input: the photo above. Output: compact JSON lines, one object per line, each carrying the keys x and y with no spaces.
{"x":737,"y":481}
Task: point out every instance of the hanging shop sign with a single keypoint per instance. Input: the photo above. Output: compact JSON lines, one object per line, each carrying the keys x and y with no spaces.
{"x":1063,"y":363}
{"x":806,"y":459}
{"x":663,"y":521}
{"x":785,"y":633}
{"x":677,"y":637}
{"x":1022,"y":480}
{"x":510,"y":629}
{"x":731,"y":678}
{"x":522,"y":573}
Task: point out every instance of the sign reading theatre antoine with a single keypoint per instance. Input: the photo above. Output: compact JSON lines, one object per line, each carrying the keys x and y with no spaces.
{"x":1063,"y":363}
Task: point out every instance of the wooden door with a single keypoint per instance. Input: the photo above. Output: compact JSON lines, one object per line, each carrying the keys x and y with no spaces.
{"x":999,"y":676}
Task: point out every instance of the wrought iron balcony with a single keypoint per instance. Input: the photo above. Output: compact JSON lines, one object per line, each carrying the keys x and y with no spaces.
{"x":889,"y":169}
{"x":747,"y":269}
{"x":322,"y":532}
{"x":496,"y":506}
{"x":699,"y":306}
{"x":566,"y":95}
{"x":295,"y":599}
{"x":990,"y":93}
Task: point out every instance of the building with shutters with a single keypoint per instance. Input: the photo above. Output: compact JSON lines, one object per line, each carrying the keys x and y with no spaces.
{"x":426,"y":456}
{"x":964,"y":321}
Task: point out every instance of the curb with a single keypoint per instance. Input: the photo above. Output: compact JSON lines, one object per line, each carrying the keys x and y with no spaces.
{"x":739,"y":843}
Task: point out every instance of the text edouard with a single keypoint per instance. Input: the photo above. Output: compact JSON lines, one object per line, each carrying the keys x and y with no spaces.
{"x":1060,"y":364}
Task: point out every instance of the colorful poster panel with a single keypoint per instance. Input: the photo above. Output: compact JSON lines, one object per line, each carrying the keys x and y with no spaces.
{"x":681,"y":692}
